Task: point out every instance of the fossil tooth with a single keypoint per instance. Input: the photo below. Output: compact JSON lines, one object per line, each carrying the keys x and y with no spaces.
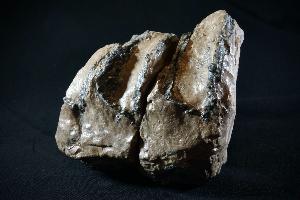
{"x":159,"y":102}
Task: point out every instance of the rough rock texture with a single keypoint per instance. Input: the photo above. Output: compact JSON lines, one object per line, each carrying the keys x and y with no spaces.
{"x":159,"y":103}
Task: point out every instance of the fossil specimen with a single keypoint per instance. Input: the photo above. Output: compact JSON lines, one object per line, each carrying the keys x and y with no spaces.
{"x":163,"y":103}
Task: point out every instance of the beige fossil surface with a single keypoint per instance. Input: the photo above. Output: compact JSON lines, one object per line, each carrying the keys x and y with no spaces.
{"x":163,"y":103}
